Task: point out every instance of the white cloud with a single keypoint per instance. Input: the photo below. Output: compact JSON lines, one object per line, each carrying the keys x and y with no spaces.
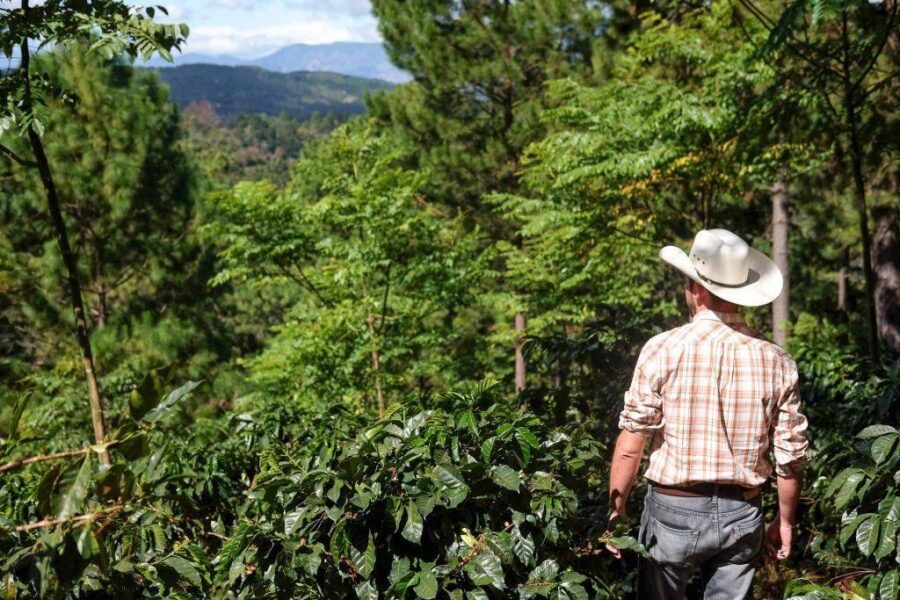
{"x":245,"y":4}
{"x":333,"y":7}
{"x":250,"y":42}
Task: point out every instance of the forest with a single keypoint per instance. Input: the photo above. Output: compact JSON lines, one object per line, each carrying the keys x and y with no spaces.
{"x":383,"y":355}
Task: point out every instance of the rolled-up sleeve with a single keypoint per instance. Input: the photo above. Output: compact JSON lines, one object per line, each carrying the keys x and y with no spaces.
{"x":642,"y":413}
{"x":789,"y":443}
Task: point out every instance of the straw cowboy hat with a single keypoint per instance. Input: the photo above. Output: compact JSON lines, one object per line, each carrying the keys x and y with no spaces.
{"x":728,"y":267}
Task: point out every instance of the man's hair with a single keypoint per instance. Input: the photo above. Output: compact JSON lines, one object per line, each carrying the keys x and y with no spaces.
{"x":691,"y":283}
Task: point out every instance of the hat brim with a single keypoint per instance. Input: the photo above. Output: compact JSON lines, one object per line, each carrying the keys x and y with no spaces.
{"x":763,"y":285}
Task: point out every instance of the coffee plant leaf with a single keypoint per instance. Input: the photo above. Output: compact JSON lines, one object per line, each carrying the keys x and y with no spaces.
{"x":412,"y":530}
{"x":888,"y":589}
{"x":874,"y":431}
{"x":868,"y":535}
{"x":505,"y":477}
{"x":888,"y":543}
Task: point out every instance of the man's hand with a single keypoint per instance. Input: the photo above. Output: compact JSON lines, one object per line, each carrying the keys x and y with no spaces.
{"x":778,"y":539}
{"x":614,"y":517}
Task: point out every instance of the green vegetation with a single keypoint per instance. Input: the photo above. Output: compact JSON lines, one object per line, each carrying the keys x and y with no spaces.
{"x":239,"y":90}
{"x":382,"y":356}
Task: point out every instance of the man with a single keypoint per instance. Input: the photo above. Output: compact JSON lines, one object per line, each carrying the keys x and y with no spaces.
{"x":712,"y":397}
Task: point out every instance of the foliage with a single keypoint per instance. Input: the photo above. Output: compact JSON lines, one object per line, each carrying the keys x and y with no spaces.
{"x":457,"y":495}
{"x":111,"y":28}
{"x":236,"y":91}
{"x":373,"y":268}
{"x":475,"y":103}
{"x":864,"y":496}
{"x":541,"y":156}
{"x":248,"y":148}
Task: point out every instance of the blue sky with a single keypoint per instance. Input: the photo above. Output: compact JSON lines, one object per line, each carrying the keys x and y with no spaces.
{"x":251,"y":28}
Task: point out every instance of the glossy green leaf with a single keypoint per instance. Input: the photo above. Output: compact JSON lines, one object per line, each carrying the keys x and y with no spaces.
{"x":505,"y":477}
{"x":848,"y":489}
{"x":72,"y":499}
{"x":888,"y":543}
{"x":450,"y":476}
{"x":873,"y":431}
{"x":888,"y":590}
{"x":628,"y":543}
{"x":883,"y":447}
{"x":486,"y":569}
{"x":850,"y":528}
{"x":163,"y":408}
{"x":366,"y":591}
{"x":522,"y":546}
{"x":546,"y":571}
{"x":427,"y":587}
{"x":868,"y":535}
{"x":412,"y":530}
{"x":186,"y":571}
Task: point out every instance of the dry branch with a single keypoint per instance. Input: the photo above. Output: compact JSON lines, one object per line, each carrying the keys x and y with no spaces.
{"x":24,"y":462}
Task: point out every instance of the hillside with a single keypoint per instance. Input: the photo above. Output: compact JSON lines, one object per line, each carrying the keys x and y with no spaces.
{"x":241,"y":89}
{"x":366,"y":60}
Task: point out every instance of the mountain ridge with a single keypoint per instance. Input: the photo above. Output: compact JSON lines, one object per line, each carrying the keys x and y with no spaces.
{"x":248,"y":89}
{"x":356,"y":59}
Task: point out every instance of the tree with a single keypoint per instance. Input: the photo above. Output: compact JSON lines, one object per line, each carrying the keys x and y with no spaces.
{"x":115,"y":154}
{"x":378,"y":276}
{"x":839,"y":46}
{"x":111,"y":27}
{"x":479,"y":70}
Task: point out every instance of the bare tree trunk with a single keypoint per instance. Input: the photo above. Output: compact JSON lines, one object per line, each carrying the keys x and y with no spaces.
{"x":520,"y":356}
{"x":82,"y":331}
{"x":376,"y":367}
{"x":100,"y":288}
{"x":886,"y":263}
{"x":781,"y":254}
{"x":842,"y":290}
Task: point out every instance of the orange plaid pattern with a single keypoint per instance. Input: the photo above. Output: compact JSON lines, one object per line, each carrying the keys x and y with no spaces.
{"x":714,"y":396}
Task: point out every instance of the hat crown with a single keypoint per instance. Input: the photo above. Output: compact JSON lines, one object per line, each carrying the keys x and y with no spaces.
{"x":721,"y":256}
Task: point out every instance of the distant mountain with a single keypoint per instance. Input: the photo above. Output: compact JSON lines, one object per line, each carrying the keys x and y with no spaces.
{"x":347,"y":58}
{"x":239,"y":90}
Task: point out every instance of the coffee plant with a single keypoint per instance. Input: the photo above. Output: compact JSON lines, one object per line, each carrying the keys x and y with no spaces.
{"x":864,"y":495}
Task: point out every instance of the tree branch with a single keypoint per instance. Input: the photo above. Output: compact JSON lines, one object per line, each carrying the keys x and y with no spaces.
{"x":887,"y":34}
{"x":24,"y":462}
{"x":73,"y":519}
{"x":15,"y":157}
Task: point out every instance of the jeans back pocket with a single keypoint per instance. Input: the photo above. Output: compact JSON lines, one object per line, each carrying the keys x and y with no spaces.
{"x":669,"y":545}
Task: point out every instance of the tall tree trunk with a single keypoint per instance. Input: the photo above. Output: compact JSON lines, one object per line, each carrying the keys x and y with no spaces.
{"x":520,"y":355}
{"x":859,"y":194}
{"x":842,"y":289}
{"x":376,"y":367}
{"x":886,"y":263}
{"x":780,"y":223}
{"x":82,"y":332}
{"x":100,"y":287}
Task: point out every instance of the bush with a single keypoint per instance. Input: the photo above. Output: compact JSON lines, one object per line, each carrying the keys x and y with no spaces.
{"x":460,"y":496}
{"x":457,"y":496}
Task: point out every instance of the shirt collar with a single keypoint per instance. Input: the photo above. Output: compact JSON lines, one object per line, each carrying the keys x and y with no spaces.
{"x":731,"y":318}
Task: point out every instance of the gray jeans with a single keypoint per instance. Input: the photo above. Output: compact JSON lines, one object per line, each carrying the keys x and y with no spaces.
{"x":721,"y":536}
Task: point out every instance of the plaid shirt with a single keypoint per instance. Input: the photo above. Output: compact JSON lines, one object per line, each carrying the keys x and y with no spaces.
{"x":713,"y":397}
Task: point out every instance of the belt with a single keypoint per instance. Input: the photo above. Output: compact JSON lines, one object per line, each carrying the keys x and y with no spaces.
{"x":705,"y":489}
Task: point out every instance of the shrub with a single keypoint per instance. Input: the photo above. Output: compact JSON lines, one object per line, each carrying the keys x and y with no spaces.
{"x":460,"y":496}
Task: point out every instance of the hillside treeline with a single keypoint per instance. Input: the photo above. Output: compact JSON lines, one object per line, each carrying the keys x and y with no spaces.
{"x":384,"y":357}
